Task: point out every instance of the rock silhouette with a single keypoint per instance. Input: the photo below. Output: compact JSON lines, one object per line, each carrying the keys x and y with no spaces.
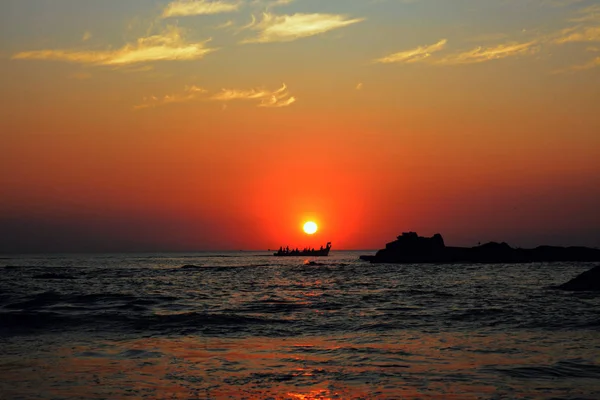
{"x":411,"y":248}
{"x":589,"y":280}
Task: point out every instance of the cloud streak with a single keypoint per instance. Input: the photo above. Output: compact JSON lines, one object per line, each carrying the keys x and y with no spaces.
{"x":168,"y":45}
{"x":190,"y":93}
{"x":594,"y":63}
{"x":588,"y":14}
{"x":286,"y":28}
{"x":586,"y":30}
{"x":474,"y":56}
{"x":418,"y":54}
{"x":483,"y":54}
{"x":186,"y":8}
{"x":263,"y":97}
{"x":579,"y":34}
{"x":271,"y":3}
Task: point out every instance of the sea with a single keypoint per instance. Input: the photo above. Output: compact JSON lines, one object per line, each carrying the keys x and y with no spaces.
{"x":247,"y":325}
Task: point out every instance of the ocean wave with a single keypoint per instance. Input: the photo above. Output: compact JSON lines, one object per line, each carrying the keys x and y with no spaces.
{"x":53,"y":275}
{"x":267,"y":307}
{"x":210,"y":256}
{"x":52,"y":298}
{"x":198,"y":319}
{"x":24,"y":322}
{"x":138,"y":354}
{"x":33,"y":321}
{"x":36,"y":301}
{"x":324,"y":264}
{"x":562,"y":369}
{"x":19,"y":267}
{"x":478,"y":313}
{"x":221,"y":268}
{"x":426,"y":292}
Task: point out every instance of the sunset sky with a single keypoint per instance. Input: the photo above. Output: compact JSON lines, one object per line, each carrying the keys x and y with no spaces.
{"x":149,"y":125}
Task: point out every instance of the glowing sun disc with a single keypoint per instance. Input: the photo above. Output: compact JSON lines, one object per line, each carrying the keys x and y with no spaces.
{"x":310,"y":228}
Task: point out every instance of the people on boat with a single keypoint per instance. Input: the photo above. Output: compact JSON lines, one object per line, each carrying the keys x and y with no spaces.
{"x":306,"y":251}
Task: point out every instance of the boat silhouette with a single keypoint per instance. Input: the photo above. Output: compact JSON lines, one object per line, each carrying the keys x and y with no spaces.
{"x":307,"y":252}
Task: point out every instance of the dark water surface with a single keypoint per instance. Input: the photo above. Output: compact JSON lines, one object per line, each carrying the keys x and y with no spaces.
{"x":246,"y":325}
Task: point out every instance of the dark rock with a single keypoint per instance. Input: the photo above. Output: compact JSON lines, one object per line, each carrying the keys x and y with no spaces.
{"x":409,"y":248}
{"x":589,"y":280}
{"x":369,"y":258}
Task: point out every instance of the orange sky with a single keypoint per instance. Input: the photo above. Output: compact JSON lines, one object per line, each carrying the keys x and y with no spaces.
{"x":124,"y":129}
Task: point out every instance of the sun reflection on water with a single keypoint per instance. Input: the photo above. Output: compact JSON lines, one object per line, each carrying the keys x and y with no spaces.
{"x":404,"y":365}
{"x":313,"y":395}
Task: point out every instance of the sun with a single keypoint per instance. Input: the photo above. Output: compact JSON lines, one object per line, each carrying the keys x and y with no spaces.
{"x":310,"y":228}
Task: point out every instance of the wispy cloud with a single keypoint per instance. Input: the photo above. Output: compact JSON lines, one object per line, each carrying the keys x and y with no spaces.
{"x":184,"y":8}
{"x":190,"y":93}
{"x":415,"y":55}
{"x":271,"y":3}
{"x":275,"y":3}
{"x":477,"y":55}
{"x":579,"y":34}
{"x":586,"y":29}
{"x":483,"y":54}
{"x":263,"y":97}
{"x":87,"y":35}
{"x":168,"y":45}
{"x":588,"y":14}
{"x":225,"y":25}
{"x":285,"y":28}
{"x":592,"y":64}
{"x":595,"y":63}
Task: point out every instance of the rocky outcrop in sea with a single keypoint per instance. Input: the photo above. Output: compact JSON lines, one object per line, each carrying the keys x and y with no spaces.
{"x":410,"y":248}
